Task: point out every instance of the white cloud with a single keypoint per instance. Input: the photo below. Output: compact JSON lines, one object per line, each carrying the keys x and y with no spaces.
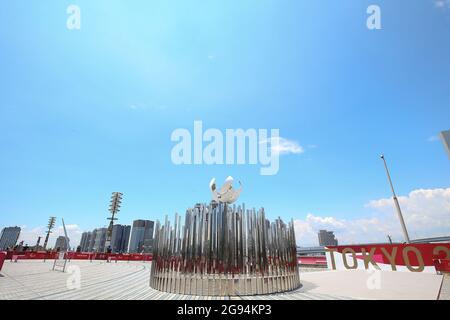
{"x":426,"y":213}
{"x":142,"y":107}
{"x":433,"y":138}
{"x":136,"y":107}
{"x":444,"y":4}
{"x":305,"y":234}
{"x":284,"y":146}
{"x":329,"y":221}
{"x":30,"y":235}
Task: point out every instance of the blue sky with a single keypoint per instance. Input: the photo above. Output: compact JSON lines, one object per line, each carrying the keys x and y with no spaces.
{"x":88,"y":112}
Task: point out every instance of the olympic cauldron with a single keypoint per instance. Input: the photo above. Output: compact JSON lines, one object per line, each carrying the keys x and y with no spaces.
{"x":224,"y":250}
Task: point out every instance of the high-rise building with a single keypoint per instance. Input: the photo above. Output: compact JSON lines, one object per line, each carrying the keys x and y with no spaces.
{"x":125,"y":238}
{"x":147,"y":247}
{"x":327,"y":238}
{"x":9,"y":237}
{"x":141,"y":234}
{"x":61,"y":244}
{"x":120,"y":238}
{"x":95,"y":240}
{"x":90,"y":247}
{"x":100,"y":240}
{"x":85,"y":241}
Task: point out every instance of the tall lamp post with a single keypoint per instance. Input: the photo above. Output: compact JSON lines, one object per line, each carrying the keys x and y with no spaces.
{"x":65,"y":236}
{"x":37,"y":244}
{"x":397,"y":205}
{"x":51,"y":224}
{"x":114,"y":208}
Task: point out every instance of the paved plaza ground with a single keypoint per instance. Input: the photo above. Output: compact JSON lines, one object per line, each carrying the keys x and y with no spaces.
{"x":34,"y":279}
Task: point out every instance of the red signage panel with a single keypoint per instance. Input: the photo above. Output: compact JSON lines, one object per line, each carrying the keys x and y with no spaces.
{"x":420,"y":257}
{"x":2,"y":259}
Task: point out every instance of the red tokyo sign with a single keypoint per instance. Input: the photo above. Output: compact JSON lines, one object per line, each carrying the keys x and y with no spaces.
{"x":424,"y":257}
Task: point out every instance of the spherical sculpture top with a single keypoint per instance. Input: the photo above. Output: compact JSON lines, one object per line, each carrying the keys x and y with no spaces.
{"x":226,"y":194}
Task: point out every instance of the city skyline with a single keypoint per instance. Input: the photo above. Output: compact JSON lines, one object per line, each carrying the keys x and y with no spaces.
{"x":301,"y":230}
{"x":92,"y":111}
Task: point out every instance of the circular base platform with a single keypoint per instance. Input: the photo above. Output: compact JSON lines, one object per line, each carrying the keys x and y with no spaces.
{"x":224,"y":285}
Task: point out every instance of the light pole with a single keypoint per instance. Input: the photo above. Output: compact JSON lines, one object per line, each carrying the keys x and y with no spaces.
{"x":37,"y":243}
{"x":390,"y":239}
{"x":65,"y":236}
{"x":51,"y":224}
{"x":397,"y":205}
{"x":114,"y":208}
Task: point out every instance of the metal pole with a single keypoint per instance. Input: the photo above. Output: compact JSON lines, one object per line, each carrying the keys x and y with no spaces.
{"x":114,"y":208}
{"x":37,"y":244}
{"x":397,"y":205}
{"x":65,"y":236}
{"x":51,"y":224}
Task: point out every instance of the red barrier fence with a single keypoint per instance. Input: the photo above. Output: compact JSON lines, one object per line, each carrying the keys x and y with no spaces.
{"x":2,"y":259}
{"x":442,"y":265}
{"x":41,"y":255}
{"x":312,"y":260}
